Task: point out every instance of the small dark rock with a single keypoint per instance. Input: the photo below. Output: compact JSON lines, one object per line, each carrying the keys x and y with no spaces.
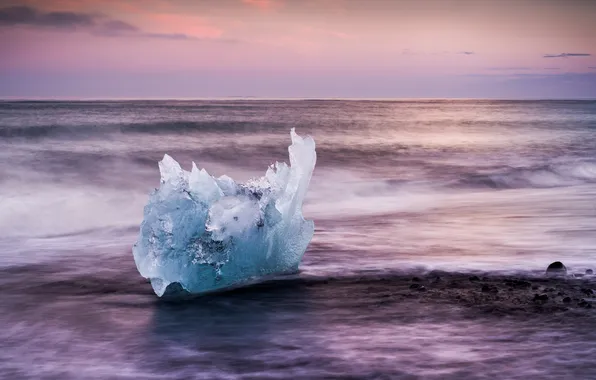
{"x":474,"y":278}
{"x":535,"y":287}
{"x":588,"y":292}
{"x":175,"y":290}
{"x":560,"y":294}
{"x":589,"y":271}
{"x":518,"y":284}
{"x":567,"y":300}
{"x":540,"y":297}
{"x":416,"y":279}
{"x":556,"y":268}
{"x":414,"y":286}
{"x":422,"y":288}
{"x":578,"y":275}
{"x":549,"y":290}
{"x":584,"y":304}
{"x":489,"y":289}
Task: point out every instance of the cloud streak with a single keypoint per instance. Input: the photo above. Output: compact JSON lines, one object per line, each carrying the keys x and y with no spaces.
{"x":510,"y":68}
{"x":409,"y":51}
{"x":566,"y":55}
{"x":22,"y":15}
{"x":262,"y":4}
{"x":93,"y":23}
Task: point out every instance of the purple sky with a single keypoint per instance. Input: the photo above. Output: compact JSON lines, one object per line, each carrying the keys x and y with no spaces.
{"x":297,"y":48}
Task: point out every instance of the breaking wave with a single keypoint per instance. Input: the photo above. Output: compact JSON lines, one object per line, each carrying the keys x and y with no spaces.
{"x":166,"y":127}
{"x":543,"y":176}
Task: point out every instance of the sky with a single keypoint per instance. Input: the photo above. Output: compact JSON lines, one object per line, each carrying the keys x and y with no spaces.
{"x":297,"y":48}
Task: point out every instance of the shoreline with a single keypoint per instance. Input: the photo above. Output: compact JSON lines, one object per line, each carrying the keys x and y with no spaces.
{"x":482,"y":292}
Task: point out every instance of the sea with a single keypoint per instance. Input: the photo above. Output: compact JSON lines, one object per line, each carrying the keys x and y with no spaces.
{"x":495,"y":186}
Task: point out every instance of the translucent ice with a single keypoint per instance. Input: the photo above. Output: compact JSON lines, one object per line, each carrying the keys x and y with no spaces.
{"x":201,"y":233}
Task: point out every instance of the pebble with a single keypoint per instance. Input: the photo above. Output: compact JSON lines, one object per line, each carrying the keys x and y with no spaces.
{"x":584,"y":304}
{"x":540,"y":297}
{"x":518,"y":283}
{"x":488,"y":288}
{"x":556,"y":267}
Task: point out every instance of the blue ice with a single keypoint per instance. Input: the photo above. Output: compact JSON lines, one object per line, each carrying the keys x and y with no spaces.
{"x":202,"y":234}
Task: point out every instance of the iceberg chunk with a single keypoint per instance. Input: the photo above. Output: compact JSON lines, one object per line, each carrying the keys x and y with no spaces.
{"x":202,"y":234}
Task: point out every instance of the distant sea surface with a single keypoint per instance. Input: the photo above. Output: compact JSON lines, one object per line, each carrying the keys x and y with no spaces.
{"x":455,"y":185}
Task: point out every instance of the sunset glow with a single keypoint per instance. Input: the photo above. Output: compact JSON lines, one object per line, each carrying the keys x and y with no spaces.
{"x":291,"y":48}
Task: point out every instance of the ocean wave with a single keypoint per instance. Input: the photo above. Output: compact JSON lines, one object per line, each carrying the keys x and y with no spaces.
{"x":540,"y":176}
{"x":162,"y":127}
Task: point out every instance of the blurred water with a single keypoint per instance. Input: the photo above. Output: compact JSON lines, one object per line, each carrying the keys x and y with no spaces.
{"x":474,"y":184}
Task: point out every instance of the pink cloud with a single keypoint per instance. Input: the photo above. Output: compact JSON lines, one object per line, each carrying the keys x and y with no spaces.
{"x":262,"y":4}
{"x":313,"y":31}
{"x":84,"y":5}
{"x":341,"y":35}
{"x":187,"y":24}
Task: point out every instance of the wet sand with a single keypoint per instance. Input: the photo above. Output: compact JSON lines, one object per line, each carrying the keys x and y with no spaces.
{"x":486,"y":293}
{"x":399,"y":324}
{"x":495,"y":293}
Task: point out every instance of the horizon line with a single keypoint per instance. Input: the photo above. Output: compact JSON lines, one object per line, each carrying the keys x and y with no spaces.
{"x":258,"y":98}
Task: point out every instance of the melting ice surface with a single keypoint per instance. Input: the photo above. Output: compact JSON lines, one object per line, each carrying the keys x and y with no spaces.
{"x":201,"y":233}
